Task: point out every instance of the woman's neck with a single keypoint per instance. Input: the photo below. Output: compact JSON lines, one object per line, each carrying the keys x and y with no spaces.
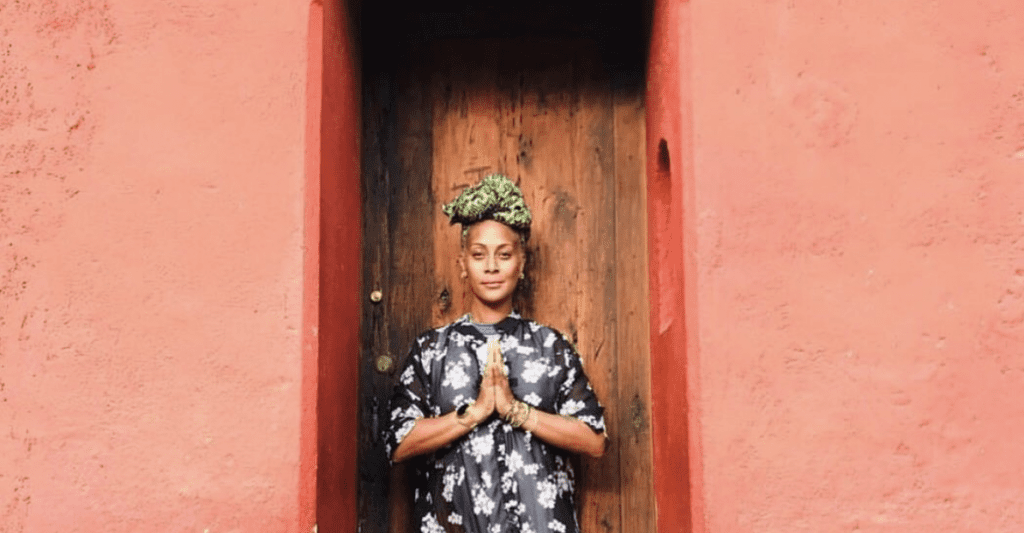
{"x":485,"y":314}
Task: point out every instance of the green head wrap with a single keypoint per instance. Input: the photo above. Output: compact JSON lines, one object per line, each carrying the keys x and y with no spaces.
{"x":494,"y":198}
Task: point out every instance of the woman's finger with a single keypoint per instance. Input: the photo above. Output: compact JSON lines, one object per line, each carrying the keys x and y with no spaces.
{"x":499,"y":375}
{"x":493,"y":352}
{"x":488,"y":380}
{"x":499,"y":358}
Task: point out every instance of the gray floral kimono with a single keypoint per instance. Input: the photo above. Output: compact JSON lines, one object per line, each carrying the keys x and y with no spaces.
{"x":496,"y":479}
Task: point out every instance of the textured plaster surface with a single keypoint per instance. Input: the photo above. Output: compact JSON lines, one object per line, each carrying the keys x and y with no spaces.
{"x":860,"y":226}
{"x":857,"y":229}
{"x":151,"y":219}
{"x":674,"y":379}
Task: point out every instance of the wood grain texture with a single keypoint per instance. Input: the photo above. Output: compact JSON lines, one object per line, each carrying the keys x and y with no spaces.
{"x":593,"y":160}
{"x":634,"y":370}
{"x":411,"y":284}
{"x":372,"y":461}
{"x":537,"y":114}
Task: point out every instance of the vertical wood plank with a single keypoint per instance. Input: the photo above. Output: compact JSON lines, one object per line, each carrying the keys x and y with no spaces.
{"x":635,"y":451}
{"x":410,"y":285}
{"x":373,"y":332}
{"x":594,"y":176}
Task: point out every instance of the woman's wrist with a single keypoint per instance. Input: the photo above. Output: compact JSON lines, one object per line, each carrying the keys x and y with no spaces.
{"x":464,"y":416}
{"x":531,"y":421}
{"x":518,"y":414}
{"x":510,"y":414}
{"x":472,"y":417}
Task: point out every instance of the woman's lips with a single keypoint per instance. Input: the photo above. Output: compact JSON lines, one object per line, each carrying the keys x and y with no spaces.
{"x":492,"y":284}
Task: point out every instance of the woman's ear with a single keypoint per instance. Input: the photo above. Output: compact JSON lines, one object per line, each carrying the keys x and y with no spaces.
{"x":461,"y":261}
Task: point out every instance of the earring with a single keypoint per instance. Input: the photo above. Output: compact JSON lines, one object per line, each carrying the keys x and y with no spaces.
{"x":522,"y":275}
{"x":463,"y":275}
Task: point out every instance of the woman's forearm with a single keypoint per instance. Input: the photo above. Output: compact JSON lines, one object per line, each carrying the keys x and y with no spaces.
{"x":430,"y":434}
{"x":566,"y":433}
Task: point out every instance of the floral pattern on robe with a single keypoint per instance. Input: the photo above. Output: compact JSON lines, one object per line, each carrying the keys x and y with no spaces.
{"x":495,"y":479}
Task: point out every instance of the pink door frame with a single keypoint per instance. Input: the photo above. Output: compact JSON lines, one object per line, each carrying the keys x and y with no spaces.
{"x":677,"y":473}
{"x":333,"y":264}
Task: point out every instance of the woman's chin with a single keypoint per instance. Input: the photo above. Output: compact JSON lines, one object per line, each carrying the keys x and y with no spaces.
{"x":492,"y":300}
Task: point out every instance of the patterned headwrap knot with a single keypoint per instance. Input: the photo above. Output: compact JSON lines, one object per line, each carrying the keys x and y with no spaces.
{"x":495,"y":198}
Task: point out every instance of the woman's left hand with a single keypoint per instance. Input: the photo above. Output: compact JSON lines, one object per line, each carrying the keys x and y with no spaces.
{"x":503,"y":398}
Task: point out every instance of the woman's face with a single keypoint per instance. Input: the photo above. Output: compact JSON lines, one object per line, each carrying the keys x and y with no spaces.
{"x":492,"y":262}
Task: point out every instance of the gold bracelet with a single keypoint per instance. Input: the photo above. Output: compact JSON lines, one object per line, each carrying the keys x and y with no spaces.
{"x":512,"y":412}
{"x":513,"y":421}
{"x":526,"y":417}
{"x":522,"y":414}
{"x":528,"y":420}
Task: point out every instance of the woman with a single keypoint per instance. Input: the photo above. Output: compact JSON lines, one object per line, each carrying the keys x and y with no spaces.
{"x":492,"y":404}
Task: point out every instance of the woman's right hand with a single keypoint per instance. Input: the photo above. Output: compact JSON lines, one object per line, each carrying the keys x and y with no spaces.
{"x":484,"y":405}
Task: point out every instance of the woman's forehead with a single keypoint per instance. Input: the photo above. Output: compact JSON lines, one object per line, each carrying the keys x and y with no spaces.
{"x":491,"y":233}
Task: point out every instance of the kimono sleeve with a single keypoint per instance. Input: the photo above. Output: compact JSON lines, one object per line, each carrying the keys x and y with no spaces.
{"x":410,"y":399}
{"x":576,"y":398}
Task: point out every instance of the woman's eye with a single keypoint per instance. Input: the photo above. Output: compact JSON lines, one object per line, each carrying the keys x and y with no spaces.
{"x":478,"y":256}
{"x":506,"y":256}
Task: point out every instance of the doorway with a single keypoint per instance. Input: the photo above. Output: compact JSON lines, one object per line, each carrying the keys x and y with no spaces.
{"x":552,"y":95}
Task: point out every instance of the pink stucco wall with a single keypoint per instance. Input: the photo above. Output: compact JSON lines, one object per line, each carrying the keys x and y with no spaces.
{"x":859,"y":210}
{"x":847,"y":190}
{"x":151,"y":284}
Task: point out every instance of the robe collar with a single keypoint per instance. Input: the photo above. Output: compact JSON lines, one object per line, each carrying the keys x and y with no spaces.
{"x":507,"y":325}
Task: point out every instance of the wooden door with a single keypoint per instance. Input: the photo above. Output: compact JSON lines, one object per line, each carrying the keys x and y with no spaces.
{"x":550,"y":115}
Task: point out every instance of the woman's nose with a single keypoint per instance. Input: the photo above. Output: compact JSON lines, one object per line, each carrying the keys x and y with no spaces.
{"x":492,"y":264}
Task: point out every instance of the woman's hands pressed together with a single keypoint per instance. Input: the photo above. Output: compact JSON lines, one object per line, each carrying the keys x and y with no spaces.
{"x":430,"y":434}
{"x":503,"y":398}
{"x":485,"y":402}
{"x":495,"y":395}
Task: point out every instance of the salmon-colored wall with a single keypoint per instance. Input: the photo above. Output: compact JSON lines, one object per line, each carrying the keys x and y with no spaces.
{"x":859,"y":215}
{"x":151,"y":270}
{"x":837,"y":279}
